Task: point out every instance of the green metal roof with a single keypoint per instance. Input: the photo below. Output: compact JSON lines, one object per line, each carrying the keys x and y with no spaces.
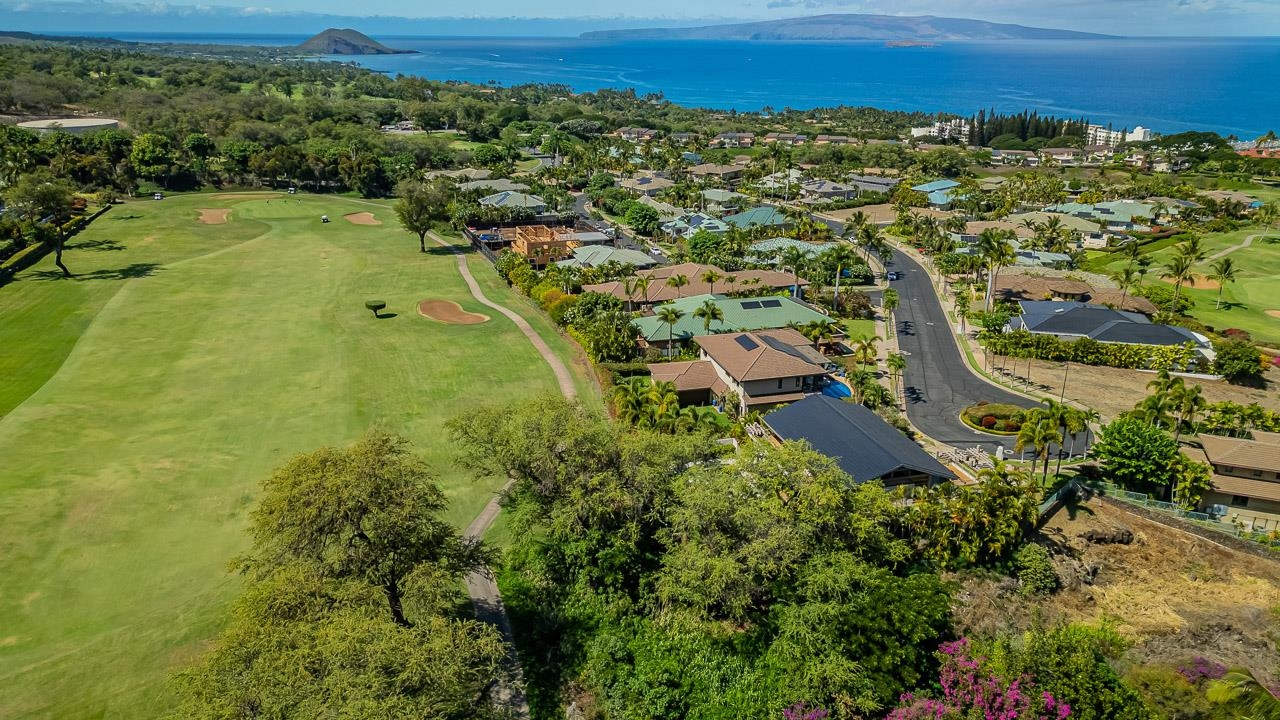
{"x":740,"y":314}
{"x":764,"y":248}
{"x":597,"y":255}
{"x":761,"y":216}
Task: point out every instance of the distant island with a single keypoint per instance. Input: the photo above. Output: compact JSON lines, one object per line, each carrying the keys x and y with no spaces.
{"x":841,"y":27}
{"x":345,"y":41}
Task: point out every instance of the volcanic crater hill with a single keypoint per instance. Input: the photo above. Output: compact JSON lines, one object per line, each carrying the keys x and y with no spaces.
{"x":345,"y":41}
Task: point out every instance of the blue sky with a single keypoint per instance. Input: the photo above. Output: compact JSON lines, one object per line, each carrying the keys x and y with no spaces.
{"x":1126,"y":17}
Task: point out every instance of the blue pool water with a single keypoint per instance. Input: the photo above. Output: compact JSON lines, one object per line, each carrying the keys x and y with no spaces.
{"x":837,"y":389}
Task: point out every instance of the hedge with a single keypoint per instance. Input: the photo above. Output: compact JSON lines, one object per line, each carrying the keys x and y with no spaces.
{"x":23,"y":259}
{"x":1087,"y":351}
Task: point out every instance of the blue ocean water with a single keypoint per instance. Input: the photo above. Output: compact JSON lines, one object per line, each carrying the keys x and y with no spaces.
{"x":1170,"y":85}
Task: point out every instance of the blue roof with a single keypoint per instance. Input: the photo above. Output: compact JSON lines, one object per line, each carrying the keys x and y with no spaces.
{"x":936,"y":185}
{"x":940,"y":197}
{"x":864,"y":446}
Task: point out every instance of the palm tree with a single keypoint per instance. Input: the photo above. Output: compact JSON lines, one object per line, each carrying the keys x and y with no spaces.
{"x":962,"y":307}
{"x":794,"y":258}
{"x":677,"y":282}
{"x":1178,"y":269}
{"x":708,"y":312}
{"x":853,"y":225}
{"x":630,"y":400}
{"x":841,"y":256}
{"x":897,"y":363}
{"x":819,"y":331}
{"x":865,"y":351}
{"x":1040,"y":433}
{"x":1193,"y":248}
{"x":710,"y":277}
{"x":995,"y":248}
{"x":888,"y":303}
{"x":1223,"y":271}
{"x":642,"y":283}
{"x":1268,"y":215}
{"x":1125,"y":278}
{"x":869,"y":239}
{"x":1242,"y":691}
{"x":669,"y":315}
{"x":1189,"y":403}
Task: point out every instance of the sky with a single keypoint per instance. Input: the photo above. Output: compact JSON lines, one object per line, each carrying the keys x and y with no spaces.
{"x":1118,"y":17}
{"x":1137,"y":17}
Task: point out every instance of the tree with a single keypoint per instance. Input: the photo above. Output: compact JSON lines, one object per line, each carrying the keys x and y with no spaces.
{"x":962,"y":302}
{"x":864,"y":350}
{"x":421,"y":205}
{"x":152,"y":157}
{"x":1040,"y":432}
{"x":897,"y":363}
{"x":670,"y":315}
{"x":1135,"y":454}
{"x":1222,"y":271}
{"x":889,"y":303}
{"x":643,"y":219}
{"x":710,"y":277}
{"x":678,"y":281}
{"x":1178,"y":269}
{"x":796,"y":259}
{"x":1238,"y":361}
{"x":708,"y":313}
{"x":352,"y":579}
{"x":1126,"y":278}
{"x":367,"y":513}
{"x":843,"y":257}
{"x":38,"y":198}
{"x":1241,"y":691}
{"x":995,"y":248}
{"x":959,"y":526}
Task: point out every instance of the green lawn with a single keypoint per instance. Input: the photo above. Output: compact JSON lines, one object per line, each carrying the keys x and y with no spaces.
{"x":146,"y":399}
{"x":1245,"y":301}
{"x":857,"y":328}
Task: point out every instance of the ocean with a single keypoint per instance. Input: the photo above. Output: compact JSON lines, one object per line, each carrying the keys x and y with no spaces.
{"x":1169,"y":85}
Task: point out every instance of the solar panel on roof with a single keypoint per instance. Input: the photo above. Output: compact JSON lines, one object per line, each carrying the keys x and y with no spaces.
{"x":746,"y":343}
{"x":771,"y":303}
{"x":751,"y":305}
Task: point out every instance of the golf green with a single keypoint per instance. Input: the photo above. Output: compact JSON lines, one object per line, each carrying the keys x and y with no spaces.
{"x":146,"y":398}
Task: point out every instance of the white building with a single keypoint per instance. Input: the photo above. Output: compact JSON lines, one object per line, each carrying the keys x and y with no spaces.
{"x":1139,"y":134}
{"x":945,"y":129}
{"x":1100,"y":135}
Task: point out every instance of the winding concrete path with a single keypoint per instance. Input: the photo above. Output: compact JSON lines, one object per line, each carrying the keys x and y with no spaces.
{"x":1227,"y":251}
{"x":481,"y":586}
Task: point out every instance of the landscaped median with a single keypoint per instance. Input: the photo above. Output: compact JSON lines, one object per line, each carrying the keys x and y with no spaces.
{"x":994,"y":418}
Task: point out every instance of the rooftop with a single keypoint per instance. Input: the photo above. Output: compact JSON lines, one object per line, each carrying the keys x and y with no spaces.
{"x":740,"y":314}
{"x":763,"y":355}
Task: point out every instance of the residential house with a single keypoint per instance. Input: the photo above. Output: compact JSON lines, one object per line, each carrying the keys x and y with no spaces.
{"x":827,"y":191}
{"x":682,"y":138}
{"x":1075,"y":320}
{"x":1025,"y":158}
{"x":1113,"y":215}
{"x":763,"y":216}
{"x":833,"y":140}
{"x":492,"y":185}
{"x":591,"y":256}
{"x":874,"y":183}
{"x":763,"y":368}
{"x":692,"y":158}
{"x":542,"y":245}
{"x":1098,"y":154}
{"x":781,"y":180}
{"x":636,"y":134}
{"x":1138,"y":159}
{"x":513,"y":199}
{"x":785,"y":139}
{"x":463,"y":174}
{"x":1260,"y":152}
{"x":766,"y":251}
{"x":727,"y":174}
{"x":687,"y":225}
{"x":733,"y":140}
{"x":1017,"y":287}
{"x":738,"y":282}
{"x":1171,"y":164}
{"x":1245,"y":480}
{"x":646,"y":184}
{"x":1233,"y":196}
{"x":666,"y":211}
{"x":723,"y":201}
{"x":938,"y":192}
{"x":866,"y":447}
{"x":991,"y":184}
{"x":740,"y":315}
{"x":1062,"y":157}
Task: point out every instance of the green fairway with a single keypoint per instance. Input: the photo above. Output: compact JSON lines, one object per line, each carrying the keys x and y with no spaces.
{"x":145,"y":399}
{"x":1245,"y":301}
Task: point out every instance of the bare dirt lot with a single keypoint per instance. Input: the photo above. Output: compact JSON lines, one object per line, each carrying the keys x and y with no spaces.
{"x":447,"y":311}
{"x":1112,"y":391}
{"x":362,"y":218}
{"x":1174,"y":595}
{"x":214,"y":216}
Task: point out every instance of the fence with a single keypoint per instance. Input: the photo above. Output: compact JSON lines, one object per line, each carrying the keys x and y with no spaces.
{"x":1199,"y":519}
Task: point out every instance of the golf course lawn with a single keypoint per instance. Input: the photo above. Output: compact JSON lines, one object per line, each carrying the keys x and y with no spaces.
{"x":145,"y":399}
{"x":1246,"y":301}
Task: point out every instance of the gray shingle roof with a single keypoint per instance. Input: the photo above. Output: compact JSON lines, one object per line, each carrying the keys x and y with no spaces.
{"x":865,"y":446}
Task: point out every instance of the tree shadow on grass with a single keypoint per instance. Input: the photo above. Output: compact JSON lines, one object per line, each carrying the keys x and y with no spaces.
{"x":133,"y":216}
{"x":128,"y":272}
{"x":97,"y":245}
{"x":451,"y":250}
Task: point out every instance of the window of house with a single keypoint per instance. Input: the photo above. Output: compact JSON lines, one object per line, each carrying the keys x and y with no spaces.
{"x":779,"y":383}
{"x":1257,"y":473}
{"x":1239,"y":501}
{"x":1227,"y":468}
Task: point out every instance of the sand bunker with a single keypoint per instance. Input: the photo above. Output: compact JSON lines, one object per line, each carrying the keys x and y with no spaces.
{"x":214,"y":216}
{"x":1203,"y":282}
{"x":248,"y":196}
{"x":447,"y":311}
{"x":362,"y":218}
{"x":1273,"y":313}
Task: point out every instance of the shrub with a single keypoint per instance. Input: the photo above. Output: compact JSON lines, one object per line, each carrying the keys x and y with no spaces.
{"x":988,"y":421}
{"x":1236,"y":334}
{"x":1238,"y":361}
{"x":1035,"y":570}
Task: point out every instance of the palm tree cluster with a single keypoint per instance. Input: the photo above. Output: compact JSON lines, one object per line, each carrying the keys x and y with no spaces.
{"x":1052,"y":425}
{"x":640,"y":402}
{"x":995,"y":247}
{"x":1051,"y":235}
{"x":1172,"y":405}
{"x":1180,"y":267}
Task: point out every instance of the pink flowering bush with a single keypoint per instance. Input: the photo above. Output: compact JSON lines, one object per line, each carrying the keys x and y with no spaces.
{"x":970,"y":692}
{"x":801,"y":711}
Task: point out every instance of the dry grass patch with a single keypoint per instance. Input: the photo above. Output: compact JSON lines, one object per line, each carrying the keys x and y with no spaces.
{"x":214,"y":216}
{"x":447,"y":311}
{"x":362,"y":218}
